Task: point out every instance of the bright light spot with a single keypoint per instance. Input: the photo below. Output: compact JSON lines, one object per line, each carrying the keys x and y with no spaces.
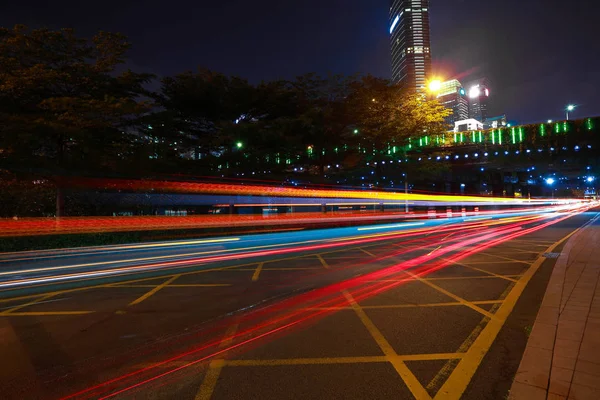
{"x":549,"y":121}
{"x":396,"y":20}
{"x":239,"y":145}
{"x":462,"y":185}
{"x":435,"y":85}
{"x":570,"y":107}
{"x":550,"y":181}
{"x":474,"y":92}
{"x":590,"y":179}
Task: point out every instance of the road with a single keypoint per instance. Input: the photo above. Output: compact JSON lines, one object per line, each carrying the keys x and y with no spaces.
{"x":421,"y":309}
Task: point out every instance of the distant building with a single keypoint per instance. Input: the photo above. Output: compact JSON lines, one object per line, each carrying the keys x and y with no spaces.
{"x":478,"y":101}
{"x":452,"y":95}
{"x":495,"y":122}
{"x":410,"y":42}
{"x":467,"y":125}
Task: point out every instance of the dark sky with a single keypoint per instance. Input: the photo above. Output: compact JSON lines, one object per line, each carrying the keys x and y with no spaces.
{"x":538,"y":55}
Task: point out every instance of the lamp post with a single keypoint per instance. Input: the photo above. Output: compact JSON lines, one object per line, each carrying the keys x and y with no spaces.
{"x":550,"y":182}
{"x":569,"y":109}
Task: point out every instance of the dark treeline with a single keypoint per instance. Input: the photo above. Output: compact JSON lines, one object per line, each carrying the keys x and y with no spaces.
{"x":67,"y":107}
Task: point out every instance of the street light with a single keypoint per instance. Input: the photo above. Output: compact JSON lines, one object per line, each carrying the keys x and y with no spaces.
{"x":356,"y":131}
{"x":569,"y":108}
{"x":549,"y":121}
{"x":435,"y":85}
{"x":550,"y":181}
{"x":239,"y":145}
{"x":590,"y":179}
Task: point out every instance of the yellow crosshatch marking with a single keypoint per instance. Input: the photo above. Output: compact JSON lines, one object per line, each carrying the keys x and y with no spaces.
{"x":451,"y":380}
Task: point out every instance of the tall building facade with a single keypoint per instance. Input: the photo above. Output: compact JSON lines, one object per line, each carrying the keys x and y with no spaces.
{"x":478,"y":101}
{"x":410,"y":42}
{"x":453,"y":95}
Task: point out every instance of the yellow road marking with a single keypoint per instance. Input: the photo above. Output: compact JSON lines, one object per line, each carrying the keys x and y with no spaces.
{"x":449,"y":294}
{"x":384,"y":306}
{"x":45,"y":313}
{"x":174,"y":286}
{"x":505,"y":258}
{"x":41,"y":298}
{"x":407,"y":376}
{"x":210,"y":380}
{"x":153,"y":291}
{"x":257,"y":272}
{"x":228,"y":337}
{"x":214,"y":368}
{"x":434,"y":250}
{"x":492,"y":275}
{"x":456,"y":384}
{"x":323,"y":262}
{"x":367,"y":252}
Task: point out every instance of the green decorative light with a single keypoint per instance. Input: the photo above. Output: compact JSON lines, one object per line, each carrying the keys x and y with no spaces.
{"x":565,"y":127}
{"x":543,"y":129}
{"x":513,"y":133}
{"x":557,"y":127}
{"x":589,"y":124}
{"x":455,"y":138}
{"x":394,"y":149}
{"x":480,"y":137}
{"x":239,"y":145}
{"x":473,"y":137}
{"x":521,"y":134}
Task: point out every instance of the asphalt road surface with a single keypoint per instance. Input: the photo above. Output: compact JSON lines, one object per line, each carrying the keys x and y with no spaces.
{"x":419,"y":309}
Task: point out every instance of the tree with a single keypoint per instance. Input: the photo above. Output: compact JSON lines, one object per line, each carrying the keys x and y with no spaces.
{"x":63,"y":104}
{"x":61,"y":99}
{"x":389,"y":116}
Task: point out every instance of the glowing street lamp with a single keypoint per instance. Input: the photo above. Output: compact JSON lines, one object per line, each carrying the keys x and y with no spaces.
{"x":550,"y":181}
{"x":435,"y":85}
{"x":239,"y":145}
{"x":569,"y":109}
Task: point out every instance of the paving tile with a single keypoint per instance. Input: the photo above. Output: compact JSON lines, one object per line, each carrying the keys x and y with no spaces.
{"x":542,"y":336}
{"x":588,"y":367}
{"x":570,"y":331}
{"x":559,"y":387}
{"x":535,"y":367}
{"x":585,"y":379}
{"x":521,"y":391}
{"x":552,"y":396}
{"x":547,"y":315}
{"x":579,"y":392}
{"x":564,"y":362}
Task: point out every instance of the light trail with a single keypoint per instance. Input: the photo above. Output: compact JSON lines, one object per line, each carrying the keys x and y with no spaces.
{"x":359,"y":287}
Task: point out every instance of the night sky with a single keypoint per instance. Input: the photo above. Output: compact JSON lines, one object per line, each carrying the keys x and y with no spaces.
{"x":538,"y":55}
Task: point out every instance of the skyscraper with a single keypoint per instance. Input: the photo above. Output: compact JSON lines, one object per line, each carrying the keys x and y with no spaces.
{"x":411,"y":49}
{"x":478,"y":101}
{"x":452,"y":95}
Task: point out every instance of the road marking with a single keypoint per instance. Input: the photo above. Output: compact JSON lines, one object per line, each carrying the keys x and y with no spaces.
{"x":256,"y":274}
{"x":153,"y":291}
{"x":505,"y":258}
{"x":323,"y":262}
{"x":45,"y":313}
{"x":434,"y":250}
{"x":214,"y":368}
{"x":210,"y":380}
{"x":407,"y":376}
{"x":457,"y":383}
{"x":40,"y":299}
{"x":452,"y":295}
{"x":183,"y":285}
{"x":367,"y":252}
{"x":491,"y":274}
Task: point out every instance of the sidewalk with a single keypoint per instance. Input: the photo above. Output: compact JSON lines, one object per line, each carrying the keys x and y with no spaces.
{"x":562,"y":357}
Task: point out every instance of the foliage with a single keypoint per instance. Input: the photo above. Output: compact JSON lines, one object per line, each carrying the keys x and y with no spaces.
{"x":62,"y":101}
